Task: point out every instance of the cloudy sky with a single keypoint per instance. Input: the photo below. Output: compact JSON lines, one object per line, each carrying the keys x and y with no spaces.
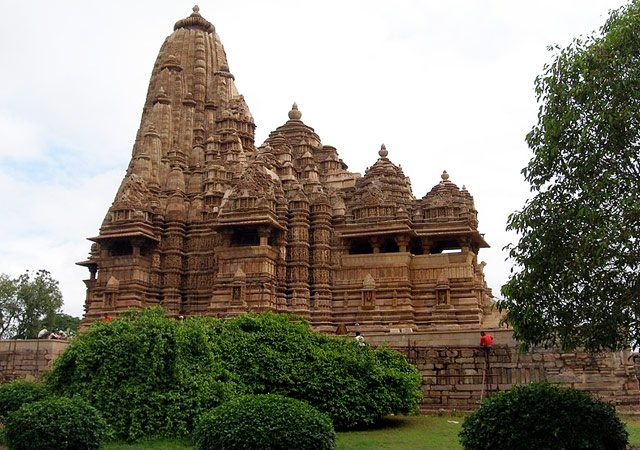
{"x":444,"y":84}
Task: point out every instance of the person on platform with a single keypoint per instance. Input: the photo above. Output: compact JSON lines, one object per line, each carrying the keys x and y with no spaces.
{"x":360,"y":339}
{"x":486,"y":341}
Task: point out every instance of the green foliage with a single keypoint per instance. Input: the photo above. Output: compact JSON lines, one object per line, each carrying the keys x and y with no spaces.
{"x":578,"y":260}
{"x":62,"y":322}
{"x":265,"y":422}
{"x":27,"y":301}
{"x":277,"y":354}
{"x":18,"y":392}
{"x":543,"y":417}
{"x":148,"y":375}
{"x":55,"y":423}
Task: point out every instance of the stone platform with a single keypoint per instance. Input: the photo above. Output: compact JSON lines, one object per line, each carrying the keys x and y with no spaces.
{"x":453,"y":368}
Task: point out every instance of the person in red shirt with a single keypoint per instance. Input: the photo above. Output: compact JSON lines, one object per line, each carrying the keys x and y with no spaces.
{"x":486,"y":340}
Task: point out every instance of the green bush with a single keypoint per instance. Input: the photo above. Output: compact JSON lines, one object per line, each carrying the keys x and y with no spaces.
{"x":147,"y":375}
{"x":541,"y":417}
{"x":278,"y":354}
{"x":265,"y":422}
{"x":18,"y":392}
{"x":55,"y":423}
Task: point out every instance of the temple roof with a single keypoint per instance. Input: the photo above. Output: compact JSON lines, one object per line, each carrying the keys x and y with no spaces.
{"x":195,"y":22}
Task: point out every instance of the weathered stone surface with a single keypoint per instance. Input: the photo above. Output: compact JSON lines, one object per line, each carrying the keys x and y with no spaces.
{"x":205,"y":222}
{"x":28,"y":358}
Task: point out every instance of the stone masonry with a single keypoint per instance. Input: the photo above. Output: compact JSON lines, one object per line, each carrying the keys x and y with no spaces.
{"x":453,"y":369}
{"x":28,"y":358}
{"x":205,"y":222}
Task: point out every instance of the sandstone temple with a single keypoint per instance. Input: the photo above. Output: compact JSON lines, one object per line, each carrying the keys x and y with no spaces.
{"x":205,"y":222}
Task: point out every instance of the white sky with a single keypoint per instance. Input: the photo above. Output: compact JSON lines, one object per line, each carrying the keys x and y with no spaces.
{"x":445,"y":85}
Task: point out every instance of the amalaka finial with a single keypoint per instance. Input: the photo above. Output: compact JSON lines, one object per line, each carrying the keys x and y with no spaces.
{"x":383,"y":151}
{"x":444,"y":176}
{"x":195,"y":21}
{"x":294,"y":114}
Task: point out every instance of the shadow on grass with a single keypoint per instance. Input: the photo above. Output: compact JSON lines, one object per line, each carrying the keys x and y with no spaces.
{"x":386,"y":423}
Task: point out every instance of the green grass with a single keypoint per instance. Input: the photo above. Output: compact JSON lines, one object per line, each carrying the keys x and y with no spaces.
{"x":633,"y":427}
{"x":405,"y":433}
{"x":394,"y":433}
{"x":149,"y":445}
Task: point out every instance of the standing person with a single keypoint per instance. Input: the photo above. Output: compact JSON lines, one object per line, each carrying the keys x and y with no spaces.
{"x":360,"y":339}
{"x":486,"y":341}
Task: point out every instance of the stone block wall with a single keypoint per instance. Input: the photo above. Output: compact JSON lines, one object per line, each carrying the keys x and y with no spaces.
{"x":28,"y":358}
{"x":454,"y":376}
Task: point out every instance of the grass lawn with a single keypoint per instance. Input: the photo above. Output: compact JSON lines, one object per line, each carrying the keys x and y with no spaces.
{"x":405,"y":433}
{"x":394,"y":433}
{"x":397,"y":433}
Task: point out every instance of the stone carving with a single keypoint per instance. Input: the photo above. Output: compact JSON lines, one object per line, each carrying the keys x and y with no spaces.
{"x":205,"y":222}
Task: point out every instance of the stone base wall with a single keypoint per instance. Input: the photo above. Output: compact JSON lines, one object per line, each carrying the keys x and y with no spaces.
{"x":454,"y":375}
{"x":450,"y":362}
{"x":28,"y":358}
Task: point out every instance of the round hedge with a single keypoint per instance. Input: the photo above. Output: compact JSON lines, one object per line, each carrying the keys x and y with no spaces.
{"x":544,"y":417}
{"x":146,"y":374}
{"x":279,"y":354}
{"x":265,"y":422}
{"x":18,"y":392}
{"x":55,"y":423}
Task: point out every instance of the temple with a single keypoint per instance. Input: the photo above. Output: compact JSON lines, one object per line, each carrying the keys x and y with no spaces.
{"x":207,"y":223}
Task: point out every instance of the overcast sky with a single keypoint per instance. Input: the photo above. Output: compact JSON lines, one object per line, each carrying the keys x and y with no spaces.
{"x":444,"y":84}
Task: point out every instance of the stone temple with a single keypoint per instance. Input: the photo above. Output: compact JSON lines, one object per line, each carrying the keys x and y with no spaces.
{"x":205,"y":222}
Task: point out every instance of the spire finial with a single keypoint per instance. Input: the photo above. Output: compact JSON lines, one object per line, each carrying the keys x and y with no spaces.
{"x":383,"y":151}
{"x":294,"y":114}
{"x":444,"y":176}
{"x":195,"y":21}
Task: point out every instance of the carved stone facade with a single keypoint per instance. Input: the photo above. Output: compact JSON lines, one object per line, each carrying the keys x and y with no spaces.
{"x":207,"y":223}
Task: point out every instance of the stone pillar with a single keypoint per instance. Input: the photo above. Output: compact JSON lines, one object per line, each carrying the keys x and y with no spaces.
{"x":321,"y":261}
{"x":375,"y":244}
{"x":299,"y":260}
{"x":403,"y":242}
{"x":171,"y":289}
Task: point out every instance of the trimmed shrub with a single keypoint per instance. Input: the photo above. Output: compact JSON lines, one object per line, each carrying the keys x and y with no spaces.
{"x":55,"y":423}
{"x":18,"y":392}
{"x":541,"y":417}
{"x":265,"y":422}
{"x":355,"y":385}
{"x":147,"y":375}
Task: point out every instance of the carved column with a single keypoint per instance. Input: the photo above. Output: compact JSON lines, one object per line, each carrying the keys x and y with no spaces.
{"x":299,"y":260}
{"x":321,"y":250}
{"x":171,"y":293}
{"x":403,"y":243}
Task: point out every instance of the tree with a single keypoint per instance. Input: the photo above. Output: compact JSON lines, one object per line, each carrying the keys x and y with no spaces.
{"x":26,"y":303}
{"x":62,"y":322}
{"x":577,"y":277}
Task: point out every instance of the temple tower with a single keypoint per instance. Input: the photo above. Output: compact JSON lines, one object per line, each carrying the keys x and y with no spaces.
{"x":206,"y":223}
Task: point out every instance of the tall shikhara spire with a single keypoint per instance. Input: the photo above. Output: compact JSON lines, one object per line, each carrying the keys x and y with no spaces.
{"x":206,"y":223}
